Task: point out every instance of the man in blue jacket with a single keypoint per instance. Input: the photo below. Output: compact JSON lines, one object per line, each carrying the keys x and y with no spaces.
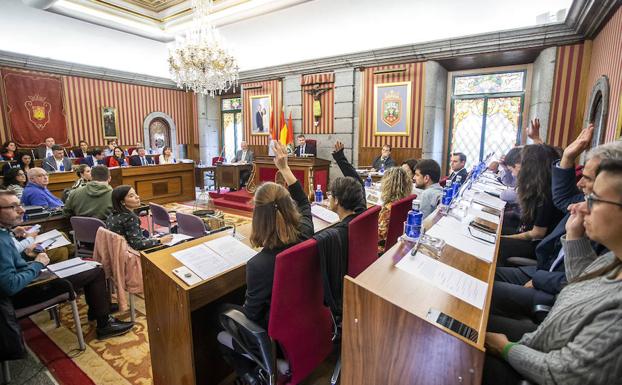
{"x":517,"y":289}
{"x":16,"y":274}
{"x":36,"y":192}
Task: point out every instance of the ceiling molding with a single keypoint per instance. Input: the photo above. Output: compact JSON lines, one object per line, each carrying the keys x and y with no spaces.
{"x":585,"y":18}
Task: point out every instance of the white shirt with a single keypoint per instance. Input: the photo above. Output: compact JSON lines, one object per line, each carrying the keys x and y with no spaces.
{"x":58,"y":164}
{"x":48,"y":152}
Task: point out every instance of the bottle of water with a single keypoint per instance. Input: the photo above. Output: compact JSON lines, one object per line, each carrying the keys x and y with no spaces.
{"x":71,"y":154}
{"x":382,"y":168}
{"x":456,"y":185}
{"x":62,"y":167}
{"x":368,"y":181}
{"x":318,"y":194}
{"x":412,"y":228}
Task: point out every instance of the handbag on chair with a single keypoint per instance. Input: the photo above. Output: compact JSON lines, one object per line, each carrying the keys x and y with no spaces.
{"x":11,"y":342}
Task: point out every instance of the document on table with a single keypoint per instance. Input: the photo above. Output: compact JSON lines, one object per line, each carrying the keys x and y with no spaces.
{"x":457,"y":235}
{"x":489,"y":188}
{"x":476,"y":210}
{"x":203,"y":261}
{"x":488,"y":200}
{"x":446,"y":278}
{"x":54,"y":239}
{"x":231,"y":249}
{"x":177,"y":238}
{"x":71,"y":267}
{"x":324,"y":214}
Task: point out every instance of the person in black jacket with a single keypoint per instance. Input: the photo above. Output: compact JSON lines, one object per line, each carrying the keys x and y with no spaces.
{"x":281,"y":218}
{"x":384,"y":160}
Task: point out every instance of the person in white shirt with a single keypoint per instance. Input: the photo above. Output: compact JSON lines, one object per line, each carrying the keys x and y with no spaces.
{"x":244,"y":155}
{"x":57,"y":162}
{"x":167,"y":156}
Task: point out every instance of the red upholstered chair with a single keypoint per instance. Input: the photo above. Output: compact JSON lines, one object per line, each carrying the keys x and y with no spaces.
{"x":399,"y":211}
{"x":217,"y":159}
{"x":299,"y":321}
{"x":443,"y":181}
{"x":363,"y":241}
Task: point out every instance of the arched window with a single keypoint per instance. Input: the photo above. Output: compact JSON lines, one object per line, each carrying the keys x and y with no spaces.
{"x":598,"y":109}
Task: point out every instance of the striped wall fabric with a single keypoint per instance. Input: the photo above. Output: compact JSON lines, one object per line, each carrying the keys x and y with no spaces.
{"x":569,"y":93}
{"x":327,"y":102}
{"x":84,"y":98}
{"x":269,"y":87}
{"x":607,"y":60}
{"x":413,"y":72}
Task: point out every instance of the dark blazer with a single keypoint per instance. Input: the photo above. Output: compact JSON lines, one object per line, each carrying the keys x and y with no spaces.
{"x":135,"y":160}
{"x":40,"y":152}
{"x":348,"y":170}
{"x":90,"y":160}
{"x":78,"y":153}
{"x":462,"y":173}
{"x":378,"y":162}
{"x":260,"y":268}
{"x":49,"y":164}
{"x":309,"y":149}
{"x":250,"y":156}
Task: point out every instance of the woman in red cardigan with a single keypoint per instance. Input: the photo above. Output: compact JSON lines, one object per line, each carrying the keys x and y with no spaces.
{"x":118,"y":158}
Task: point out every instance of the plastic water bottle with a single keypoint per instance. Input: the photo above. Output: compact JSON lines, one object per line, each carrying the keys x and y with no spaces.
{"x":318,"y":194}
{"x":447,"y":195}
{"x":456,"y":185}
{"x":62,"y":167}
{"x":150,"y":151}
{"x":368,"y":181}
{"x":72,"y":154}
{"x":412,"y":227}
{"x":382,"y":168}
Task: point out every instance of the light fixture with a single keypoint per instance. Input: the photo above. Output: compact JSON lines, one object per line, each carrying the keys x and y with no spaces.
{"x":198,"y":60}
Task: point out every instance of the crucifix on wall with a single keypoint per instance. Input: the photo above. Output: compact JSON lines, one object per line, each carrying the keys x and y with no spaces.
{"x":316,"y":92}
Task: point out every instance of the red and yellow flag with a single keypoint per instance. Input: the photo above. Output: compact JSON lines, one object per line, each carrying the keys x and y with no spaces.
{"x":286,"y":136}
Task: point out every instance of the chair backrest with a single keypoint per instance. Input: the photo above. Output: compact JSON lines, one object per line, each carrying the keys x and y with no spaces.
{"x":85,"y":228}
{"x":363,"y":241}
{"x":217,"y":159}
{"x":399,"y":211}
{"x":311,"y":141}
{"x":191,"y":225}
{"x":299,"y":321}
{"x":159,"y":216}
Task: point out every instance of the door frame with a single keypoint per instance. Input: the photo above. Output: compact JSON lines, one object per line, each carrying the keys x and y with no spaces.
{"x":221,"y":142}
{"x":527,"y":68}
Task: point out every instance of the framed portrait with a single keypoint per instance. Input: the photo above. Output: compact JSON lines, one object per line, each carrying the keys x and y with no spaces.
{"x":109,"y":123}
{"x":392,"y":108}
{"x":261,"y":107}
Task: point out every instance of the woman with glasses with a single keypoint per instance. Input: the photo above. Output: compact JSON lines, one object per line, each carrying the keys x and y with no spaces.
{"x":580,"y":340}
{"x":15,"y":180}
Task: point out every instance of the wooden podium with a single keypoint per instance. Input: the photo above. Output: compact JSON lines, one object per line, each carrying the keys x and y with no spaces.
{"x":310,"y":171}
{"x":159,"y":183}
{"x":228,"y":175}
{"x":387,"y":336}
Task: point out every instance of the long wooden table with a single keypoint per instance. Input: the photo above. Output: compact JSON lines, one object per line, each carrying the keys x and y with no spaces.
{"x":387,"y":338}
{"x":159,"y":183}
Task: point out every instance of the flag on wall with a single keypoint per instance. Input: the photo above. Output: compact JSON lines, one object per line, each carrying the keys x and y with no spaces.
{"x":273,"y":133}
{"x":283,"y":135}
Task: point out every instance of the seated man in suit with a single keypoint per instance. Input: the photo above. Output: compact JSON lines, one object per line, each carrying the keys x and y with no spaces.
{"x":245,"y":155}
{"x":458,"y":169}
{"x":94,"y":159}
{"x":427,"y":175}
{"x":384,"y":160}
{"x":58,"y":162}
{"x":141,"y":158}
{"x":36,"y":192}
{"x":304,"y":147}
{"x":46,"y":151}
{"x":82,"y":151}
{"x":16,"y":274}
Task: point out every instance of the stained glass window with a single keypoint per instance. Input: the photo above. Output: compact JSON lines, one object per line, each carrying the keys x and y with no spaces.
{"x":231,"y":104}
{"x":489,"y":83}
{"x":502,"y":116}
{"x":467,"y":134}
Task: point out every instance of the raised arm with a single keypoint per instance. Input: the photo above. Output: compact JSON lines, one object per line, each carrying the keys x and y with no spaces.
{"x":346,"y":167}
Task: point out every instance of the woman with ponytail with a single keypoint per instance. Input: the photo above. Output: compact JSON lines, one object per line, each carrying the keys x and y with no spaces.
{"x":281,"y":218}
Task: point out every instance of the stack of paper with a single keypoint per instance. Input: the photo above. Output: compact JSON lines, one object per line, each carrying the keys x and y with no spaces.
{"x":52,"y":239}
{"x":446,"y":278}
{"x":71,"y":267}
{"x":324,"y":214}
{"x":489,"y":201}
{"x":457,"y":235}
{"x":214,"y":257}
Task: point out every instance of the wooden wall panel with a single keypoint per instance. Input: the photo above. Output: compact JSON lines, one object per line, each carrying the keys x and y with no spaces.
{"x":272,"y":87}
{"x":569,"y":93}
{"x":84,"y":98}
{"x":367,"y":154}
{"x":607,"y":60}
{"x":414,"y":72}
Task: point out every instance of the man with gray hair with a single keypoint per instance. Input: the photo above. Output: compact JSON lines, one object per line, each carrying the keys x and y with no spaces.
{"x":517,"y":289}
{"x":36,"y":192}
{"x":94,"y":199}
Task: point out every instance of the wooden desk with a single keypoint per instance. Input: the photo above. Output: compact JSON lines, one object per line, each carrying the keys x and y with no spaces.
{"x":310,"y":171}
{"x":59,"y":181}
{"x":228,"y":175}
{"x":160,"y":183}
{"x":386,"y":336}
{"x":58,"y":222}
{"x":199,"y":175}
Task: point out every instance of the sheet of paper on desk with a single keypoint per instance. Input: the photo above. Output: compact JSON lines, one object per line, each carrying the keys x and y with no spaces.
{"x":203,"y":261}
{"x":456,"y":234}
{"x":71,"y":267}
{"x":476,"y":211}
{"x":488,"y":200}
{"x":446,"y":278}
{"x":324,"y":214}
{"x":489,"y":188}
{"x":59,"y":239}
{"x":231,"y":249}
{"x":178,"y":238}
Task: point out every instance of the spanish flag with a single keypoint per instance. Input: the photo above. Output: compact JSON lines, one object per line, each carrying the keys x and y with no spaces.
{"x":284,"y":133}
{"x":273,"y":132}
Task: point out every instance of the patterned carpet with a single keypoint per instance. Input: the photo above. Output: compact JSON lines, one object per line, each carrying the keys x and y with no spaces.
{"x":121,"y":360}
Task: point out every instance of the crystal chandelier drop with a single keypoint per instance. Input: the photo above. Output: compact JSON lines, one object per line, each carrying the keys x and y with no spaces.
{"x":198,"y":60}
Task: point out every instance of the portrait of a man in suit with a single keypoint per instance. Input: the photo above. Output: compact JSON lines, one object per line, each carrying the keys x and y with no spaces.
{"x":260,"y":109}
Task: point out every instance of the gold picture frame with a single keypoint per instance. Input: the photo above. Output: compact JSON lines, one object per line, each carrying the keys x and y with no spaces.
{"x":110,"y":123}
{"x":261,"y":107}
{"x":393,"y":101}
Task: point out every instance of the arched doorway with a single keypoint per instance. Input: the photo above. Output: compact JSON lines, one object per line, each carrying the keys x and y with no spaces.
{"x":159,"y":134}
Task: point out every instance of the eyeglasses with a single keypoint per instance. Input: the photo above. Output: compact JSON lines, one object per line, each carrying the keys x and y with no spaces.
{"x":591,"y":199}
{"x":14,"y":207}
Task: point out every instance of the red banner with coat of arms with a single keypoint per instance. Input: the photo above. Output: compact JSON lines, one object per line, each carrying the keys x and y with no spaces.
{"x":35,"y":108}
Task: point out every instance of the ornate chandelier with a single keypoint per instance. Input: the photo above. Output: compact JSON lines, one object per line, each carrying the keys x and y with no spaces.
{"x":198,"y":61}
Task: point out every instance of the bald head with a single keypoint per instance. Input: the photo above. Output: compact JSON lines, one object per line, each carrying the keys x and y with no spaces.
{"x":38,"y":176}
